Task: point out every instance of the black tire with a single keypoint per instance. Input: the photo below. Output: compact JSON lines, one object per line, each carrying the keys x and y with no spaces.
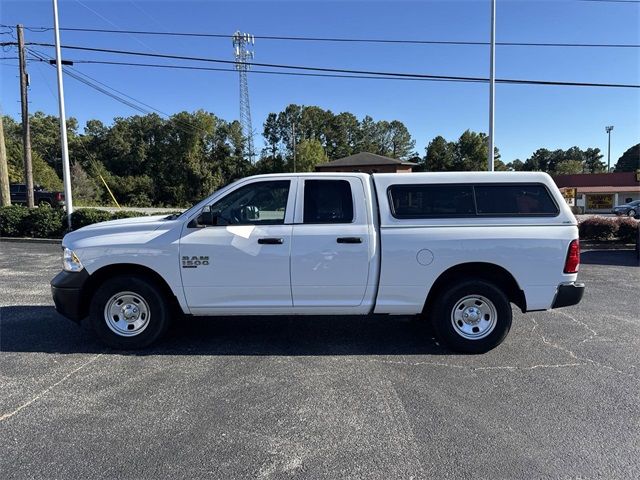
{"x":631,"y":213}
{"x":492,"y":327}
{"x":141,"y":294}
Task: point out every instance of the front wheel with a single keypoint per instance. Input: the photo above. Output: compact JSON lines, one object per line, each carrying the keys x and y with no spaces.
{"x":129,"y":312}
{"x":472,"y":317}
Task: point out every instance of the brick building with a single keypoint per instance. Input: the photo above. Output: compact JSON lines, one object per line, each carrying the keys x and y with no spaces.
{"x":600,"y":192}
{"x":367,"y":163}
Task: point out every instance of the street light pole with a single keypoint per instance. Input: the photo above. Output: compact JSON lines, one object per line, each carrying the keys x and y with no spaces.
{"x":608,"y":130}
{"x":293,"y":137}
{"x":66,"y":173}
{"x":492,"y":86}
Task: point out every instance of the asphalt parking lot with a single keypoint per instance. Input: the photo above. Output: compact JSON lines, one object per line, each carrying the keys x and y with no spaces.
{"x":332,"y":397}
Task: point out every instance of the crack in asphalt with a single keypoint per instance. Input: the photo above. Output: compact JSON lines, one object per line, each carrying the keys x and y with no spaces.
{"x":8,"y":415}
{"x":573,"y":354}
{"x":592,"y":332}
{"x":465,"y":367}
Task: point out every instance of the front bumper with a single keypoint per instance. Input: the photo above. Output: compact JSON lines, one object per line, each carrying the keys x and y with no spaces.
{"x":568,"y":294}
{"x":66,"y":289}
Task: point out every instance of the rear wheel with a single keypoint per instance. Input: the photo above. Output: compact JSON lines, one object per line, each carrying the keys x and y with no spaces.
{"x":129,"y":312}
{"x":44,"y":204}
{"x":631,"y":213}
{"x":472,"y":317}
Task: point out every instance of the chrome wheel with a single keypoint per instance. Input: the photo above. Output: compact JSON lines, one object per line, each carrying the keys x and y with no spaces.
{"x":474,"y":317}
{"x":127,"y":314}
{"x":631,"y":213}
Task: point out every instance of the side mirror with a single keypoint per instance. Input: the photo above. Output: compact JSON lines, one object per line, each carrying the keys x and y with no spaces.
{"x":207,"y":218}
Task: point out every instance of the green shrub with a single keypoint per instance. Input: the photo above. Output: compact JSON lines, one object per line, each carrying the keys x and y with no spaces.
{"x":19,"y":221}
{"x":44,"y":223}
{"x":598,"y":228}
{"x":86,"y":216}
{"x":628,"y":229}
{"x":126,"y":214}
{"x":11,"y":219}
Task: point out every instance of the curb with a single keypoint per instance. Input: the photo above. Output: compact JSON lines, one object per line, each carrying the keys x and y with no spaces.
{"x":31,"y":240}
{"x":584,"y":246}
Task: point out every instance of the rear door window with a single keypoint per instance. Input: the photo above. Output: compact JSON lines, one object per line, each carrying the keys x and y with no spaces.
{"x":327,"y":201}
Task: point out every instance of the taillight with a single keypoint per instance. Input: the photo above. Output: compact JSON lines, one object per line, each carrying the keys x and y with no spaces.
{"x":59,"y":197}
{"x":572,"y":264}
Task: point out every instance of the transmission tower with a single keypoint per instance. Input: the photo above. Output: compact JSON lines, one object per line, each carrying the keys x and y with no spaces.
{"x":242,"y":42}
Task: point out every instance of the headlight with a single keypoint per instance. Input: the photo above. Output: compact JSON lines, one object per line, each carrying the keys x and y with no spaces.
{"x":70,"y":261}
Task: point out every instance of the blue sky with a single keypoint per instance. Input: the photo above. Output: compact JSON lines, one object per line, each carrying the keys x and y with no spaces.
{"x":527,"y":117}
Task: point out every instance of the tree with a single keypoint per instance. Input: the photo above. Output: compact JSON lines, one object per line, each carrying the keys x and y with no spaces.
{"x":84,"y":187}
{"x":402,"y":144}
{"x":538,"y":161}
{"x":516,"y":166}
{"x":271,"y":133}
{"x":234,"y":165}
{"x":439,"y":155}
{"x":342,"y":137}
{"x":567,"y":167}
{"x":286,"y":119}
{"x":43,"y":174}
{"x":368,"y":136}
{"x":593,"y":161}
{"x":309,"y":153}
{"x":314,"y":124}
{"x":629,"y":161}
{"x":471,"y":152}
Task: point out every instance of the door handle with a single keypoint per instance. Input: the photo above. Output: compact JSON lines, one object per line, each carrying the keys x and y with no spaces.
{"x":271,"y":241}
{"x":349,"y":240}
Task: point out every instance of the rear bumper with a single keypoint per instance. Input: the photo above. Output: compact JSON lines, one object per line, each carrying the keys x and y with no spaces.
{"x":66,"y":289}
{"x":568,"y":294}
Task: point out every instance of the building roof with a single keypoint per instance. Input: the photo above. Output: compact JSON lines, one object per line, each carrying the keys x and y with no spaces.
{"x":608,"y":189}
{"x":609,"y":180}
{"x":365,"y":159}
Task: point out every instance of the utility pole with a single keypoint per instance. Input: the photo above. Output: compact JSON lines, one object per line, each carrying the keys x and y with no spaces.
{"x":66,"y":171}
{"x":293,"y":139}
{"x":608,"y":130}
{"x":26,"y":132}
{"x":492,"y":86}
{"x":5,"y":195}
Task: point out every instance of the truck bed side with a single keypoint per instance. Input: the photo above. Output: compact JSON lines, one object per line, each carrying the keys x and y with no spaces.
{"x":416,"y":252}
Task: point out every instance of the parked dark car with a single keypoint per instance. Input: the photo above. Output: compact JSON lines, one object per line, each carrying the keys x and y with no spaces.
{"x":631,"y":209}
{"x":41,"y":197}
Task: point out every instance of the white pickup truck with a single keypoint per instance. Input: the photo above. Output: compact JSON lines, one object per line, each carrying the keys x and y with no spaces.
{"x":456,"y":248}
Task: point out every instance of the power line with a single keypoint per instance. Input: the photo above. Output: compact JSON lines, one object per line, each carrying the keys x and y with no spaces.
{"x":91,"y":85}
{"x":338,"y":39}
{"x":269,"y":72}
{"x":347,"y":71}
{"x":95,"y":84}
